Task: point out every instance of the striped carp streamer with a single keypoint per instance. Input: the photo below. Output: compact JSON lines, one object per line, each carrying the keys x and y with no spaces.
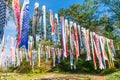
{"x":57,"y":27}
{"x":63,"y":37}
{"x":16,"y":12}
{"x":52,"y":23}
{"x":76,"y":41}
{"x":24,"y":24}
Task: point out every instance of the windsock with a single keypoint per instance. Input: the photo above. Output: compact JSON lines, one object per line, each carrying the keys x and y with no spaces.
{"x":76,"y":41}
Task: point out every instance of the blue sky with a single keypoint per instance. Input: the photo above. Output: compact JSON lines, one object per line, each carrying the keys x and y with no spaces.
{"x":10,"y":29}
{"x":55,"y":5}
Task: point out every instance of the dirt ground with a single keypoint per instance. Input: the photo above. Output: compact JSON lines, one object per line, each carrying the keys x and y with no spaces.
{"x":51,"y":76}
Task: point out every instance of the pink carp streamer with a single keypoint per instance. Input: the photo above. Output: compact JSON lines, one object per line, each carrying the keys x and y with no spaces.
{"x":16,"y":11}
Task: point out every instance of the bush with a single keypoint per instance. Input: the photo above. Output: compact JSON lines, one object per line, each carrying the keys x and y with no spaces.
{"x":40,"y":70}
{"x":117,"y":59}
{"x":108,"y":71}
{"x":2,"y":70}
{"x":83,"y":66}
{"x":24,"y":67}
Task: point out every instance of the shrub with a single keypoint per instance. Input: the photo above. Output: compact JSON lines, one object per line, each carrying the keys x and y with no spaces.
{"x":117,"y":59}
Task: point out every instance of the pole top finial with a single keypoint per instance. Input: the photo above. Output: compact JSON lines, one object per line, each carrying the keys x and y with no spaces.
{"x":36,"y":5}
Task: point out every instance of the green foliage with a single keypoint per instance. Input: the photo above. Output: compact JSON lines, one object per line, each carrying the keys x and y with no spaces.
{"x":113,"y":6}
{"x":24,"y":67}
{"x":82,"y":66}
{"x":115,"y":76}
{"x":2,"y":69}
{"x":40,"y":70}
{"x":80,"y":14}
{"x":108,"y":71}
{"x":117,"y":59}
{"x":10,"y":3}
{"x":47,"y":43}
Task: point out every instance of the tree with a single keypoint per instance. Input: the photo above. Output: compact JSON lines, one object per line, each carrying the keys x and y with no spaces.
{"x":89,"y":16}
{"x":82,"y":14}
{"x":114,"y":8}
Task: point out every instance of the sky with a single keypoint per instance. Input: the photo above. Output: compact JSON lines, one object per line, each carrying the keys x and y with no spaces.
{"x":9,"y":30}
{"x":55,"y":5}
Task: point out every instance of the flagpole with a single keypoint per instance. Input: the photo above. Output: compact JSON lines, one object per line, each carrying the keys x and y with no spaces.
{"x":34,"y":24}
{"x":6,"y":67}
{"x":44,"y":20}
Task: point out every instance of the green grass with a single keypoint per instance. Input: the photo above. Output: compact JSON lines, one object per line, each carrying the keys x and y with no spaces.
{"x":114,"y":76}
